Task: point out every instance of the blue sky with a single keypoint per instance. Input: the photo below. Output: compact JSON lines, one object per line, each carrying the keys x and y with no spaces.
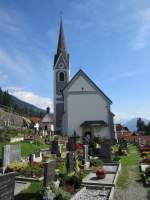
{"x":109,"y":40}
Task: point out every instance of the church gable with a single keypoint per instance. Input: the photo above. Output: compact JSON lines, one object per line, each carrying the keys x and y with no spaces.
{"x":82,"y":83}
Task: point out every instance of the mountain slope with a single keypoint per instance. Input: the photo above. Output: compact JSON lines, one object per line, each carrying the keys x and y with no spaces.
{"x":23,"y":104}
{"x":131,"y":124}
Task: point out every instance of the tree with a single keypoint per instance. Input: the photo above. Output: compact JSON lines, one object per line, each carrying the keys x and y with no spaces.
{"x":140,"y":125}
{"x":147,"y":129}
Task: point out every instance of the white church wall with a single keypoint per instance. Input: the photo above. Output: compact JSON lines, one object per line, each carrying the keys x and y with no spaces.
{"x":81,"y":84}
{"x":85,"y":107}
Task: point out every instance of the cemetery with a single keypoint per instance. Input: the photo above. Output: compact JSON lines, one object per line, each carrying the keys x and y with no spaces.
{"x":57,"y":167}
{"x":64,"y":169}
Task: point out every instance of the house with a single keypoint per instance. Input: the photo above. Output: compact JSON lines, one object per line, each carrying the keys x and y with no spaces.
{"x":79,"y":104}
{"x":47,"y":123}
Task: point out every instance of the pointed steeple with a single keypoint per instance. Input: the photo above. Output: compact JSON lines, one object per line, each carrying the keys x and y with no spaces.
{"x":61,"y":46}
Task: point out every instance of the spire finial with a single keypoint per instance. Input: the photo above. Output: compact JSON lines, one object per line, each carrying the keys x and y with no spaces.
{"x":61,"y":15}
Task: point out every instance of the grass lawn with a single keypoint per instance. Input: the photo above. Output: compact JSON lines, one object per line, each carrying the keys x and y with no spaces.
{"x":32,"y":193}
{"x":130,"y":167}
{"x":26,"y":147}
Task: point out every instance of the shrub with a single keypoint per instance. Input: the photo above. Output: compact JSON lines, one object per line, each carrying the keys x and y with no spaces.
{"x":62,"y":195}
{"x":147,"y":171}
{"x":73,"y":180}
{"x":116,"y":158}
{"x":96,"y":162}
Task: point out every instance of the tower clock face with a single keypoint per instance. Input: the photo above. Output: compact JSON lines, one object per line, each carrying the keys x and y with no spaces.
{"x":61,"y":65}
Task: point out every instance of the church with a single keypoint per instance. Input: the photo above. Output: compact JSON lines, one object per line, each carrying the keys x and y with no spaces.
{"x":80,"y":106}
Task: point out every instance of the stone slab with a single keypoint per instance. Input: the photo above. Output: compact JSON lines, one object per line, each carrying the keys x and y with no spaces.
{"x":7,"y":185}
{"x":20,"y":186}
{"x":91,"y":179}
{"x":112,"y":168}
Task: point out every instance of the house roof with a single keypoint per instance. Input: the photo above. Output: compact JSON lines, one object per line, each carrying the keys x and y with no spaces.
{"x":47,"y":118}
{"x":82,"y":73}
{"x":34,"y":120}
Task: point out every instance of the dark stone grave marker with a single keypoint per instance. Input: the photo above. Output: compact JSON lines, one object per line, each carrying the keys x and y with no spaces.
{"x":71,"y":144}
{"x":7,"y":186}
{"x":37,"y":153}
{"x":105,"y":151}
{"x":70,"y":162}
{"x":54,"y":147}
{"x":49,"y":172}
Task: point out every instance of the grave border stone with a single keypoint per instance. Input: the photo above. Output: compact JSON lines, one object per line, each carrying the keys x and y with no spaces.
{"x":7,"y":186}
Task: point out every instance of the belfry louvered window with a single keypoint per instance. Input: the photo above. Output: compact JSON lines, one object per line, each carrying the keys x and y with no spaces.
{"x":61,"y":76}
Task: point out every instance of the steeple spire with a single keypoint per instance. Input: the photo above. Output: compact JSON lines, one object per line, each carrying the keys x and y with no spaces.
{"x":61,"y":46}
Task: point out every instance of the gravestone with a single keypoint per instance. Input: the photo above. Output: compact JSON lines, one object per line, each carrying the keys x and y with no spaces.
{"x":36,"y":157}
{"x":37,"y":153}
{"x":7,"y":186}
{"x":11,"y":153}
{"x":70,"y":162}
{"x":105,"y":151}
{"x":49,"y":172}
{"x":71,"y":144}
{"x":54,"y":147}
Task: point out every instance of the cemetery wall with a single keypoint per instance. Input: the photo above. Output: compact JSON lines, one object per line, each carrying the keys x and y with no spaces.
{"x":10,"y":119}
{"x":136,"y":139}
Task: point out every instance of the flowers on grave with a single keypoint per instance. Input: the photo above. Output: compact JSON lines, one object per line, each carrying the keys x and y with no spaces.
{"x":76,"y":163}
{"x":17,"y":166}
{"x":79,"y":146}
{"x":34,"y":170}
{"x":145,"y":153}
{"x":145,"y":148}
{"x":100,"y":173}
{"x":146,"y":159}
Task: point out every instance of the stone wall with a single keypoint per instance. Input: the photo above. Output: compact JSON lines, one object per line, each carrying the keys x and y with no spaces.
{"x":8,"y":119}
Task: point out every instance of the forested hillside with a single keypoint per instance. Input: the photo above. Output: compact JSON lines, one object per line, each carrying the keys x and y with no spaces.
{"x":13,"y":104}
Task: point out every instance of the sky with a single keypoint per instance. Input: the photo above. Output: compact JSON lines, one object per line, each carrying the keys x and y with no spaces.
{"x":109,"y":40}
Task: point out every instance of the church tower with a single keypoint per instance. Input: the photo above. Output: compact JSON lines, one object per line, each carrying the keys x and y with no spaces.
{"x":61,"y":78}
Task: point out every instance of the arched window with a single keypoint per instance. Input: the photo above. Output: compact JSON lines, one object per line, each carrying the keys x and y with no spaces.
{"x":61,"y":76}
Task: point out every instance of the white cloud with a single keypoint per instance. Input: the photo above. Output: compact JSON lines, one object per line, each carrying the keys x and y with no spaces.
{"x":30,"y":97}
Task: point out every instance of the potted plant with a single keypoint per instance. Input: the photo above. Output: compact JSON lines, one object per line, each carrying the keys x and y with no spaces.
{"x":100,"y":173}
